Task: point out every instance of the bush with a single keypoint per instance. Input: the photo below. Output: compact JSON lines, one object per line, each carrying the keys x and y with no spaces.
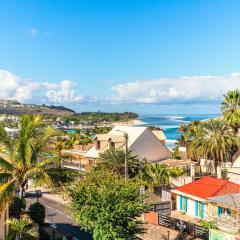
{"x":16,"y":206}
{"x":37,"y":213}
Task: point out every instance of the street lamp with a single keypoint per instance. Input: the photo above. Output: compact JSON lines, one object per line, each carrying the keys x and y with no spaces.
{"x":126,"y":153}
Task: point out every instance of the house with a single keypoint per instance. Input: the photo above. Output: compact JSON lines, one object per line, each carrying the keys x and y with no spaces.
{"x":233,"y":169}
{"x":75,"y":158}
{"x":193,"y":199}
{"x":143,"y":142}
{"x":224,"y":210}
{"x":11,"y":132}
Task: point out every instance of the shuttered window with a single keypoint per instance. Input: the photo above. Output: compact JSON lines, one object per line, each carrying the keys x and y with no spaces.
{"x":183,"y":203}
{"x":199,"y":209}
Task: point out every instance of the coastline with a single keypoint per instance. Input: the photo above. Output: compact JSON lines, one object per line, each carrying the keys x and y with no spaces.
{"x":134,"y":122}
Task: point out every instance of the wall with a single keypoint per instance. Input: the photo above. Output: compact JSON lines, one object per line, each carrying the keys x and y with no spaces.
{"x":234,"y":175}
{"x":151,"y":217}
{"x":219,"y":235}
{"x":180,"y":181}
{"x":191,"y":208}
{"x":237,"y":163}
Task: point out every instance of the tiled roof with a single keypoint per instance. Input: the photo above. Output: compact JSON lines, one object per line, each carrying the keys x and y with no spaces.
{"x":177,"y":163}
{"x":229,"y":199}
{"x":209,"y":187}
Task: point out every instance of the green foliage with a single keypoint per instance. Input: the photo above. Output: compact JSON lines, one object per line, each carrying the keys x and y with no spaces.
{"x":16,"y":206}
{"x":189,"y":132}
{"x":176,"y":154}
{"x":154,"y":128}
{"x":96,"y":117}
{"x":114,"y":160}
{"x":214,"y":140}
{"x":231,"y":109}
{"x":208,"y":224}
{"x":19,"y":159}
{"x":37,"y":213}
{"x":63,"y":176}
{"x":21,"y":229}
{"x":158,"y":174}
{"x":59,"y":108}
{"x":101,"y":130}
{"x":107,"y":206}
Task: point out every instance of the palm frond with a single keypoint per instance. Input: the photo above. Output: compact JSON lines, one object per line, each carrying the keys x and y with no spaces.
{"x":39,"y":176}
{"x":21,"y":227}
{"x":5,"y":164}
{"x":4,"y":176}
{"x":6,"y":192}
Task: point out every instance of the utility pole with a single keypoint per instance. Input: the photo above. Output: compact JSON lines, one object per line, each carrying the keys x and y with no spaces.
{"x":126,"y":153}
{"x":126,"y":156}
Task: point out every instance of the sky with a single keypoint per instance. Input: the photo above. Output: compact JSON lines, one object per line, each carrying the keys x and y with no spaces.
{"x":146,"y":56}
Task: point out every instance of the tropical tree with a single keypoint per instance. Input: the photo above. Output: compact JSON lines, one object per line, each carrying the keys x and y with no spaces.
{"x":231,"y":109}
{"x":107,"y":206}
{"x":23,"y":158}
{"x":159,"y":174}
{"x":114,"y":160}
{"x":21,"y":229}
{"x":189,"y":131}
{"x":215,"y":141}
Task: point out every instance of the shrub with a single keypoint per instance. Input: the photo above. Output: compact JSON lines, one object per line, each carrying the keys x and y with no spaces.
{"x":37,"y":213}
{"x":16,"y":206}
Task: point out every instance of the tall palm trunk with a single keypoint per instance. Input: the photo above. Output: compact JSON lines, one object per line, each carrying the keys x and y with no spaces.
{"x":21,"y":192}
{"x":215,"y":166}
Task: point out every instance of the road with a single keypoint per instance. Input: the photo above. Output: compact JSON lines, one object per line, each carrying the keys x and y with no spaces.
{"x":61,"y":217}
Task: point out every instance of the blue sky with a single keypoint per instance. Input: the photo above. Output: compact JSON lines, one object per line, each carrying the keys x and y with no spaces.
{"x":121,"y":54}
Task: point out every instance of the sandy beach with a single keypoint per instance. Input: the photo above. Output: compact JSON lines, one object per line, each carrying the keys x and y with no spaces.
{"x":134,"y":122}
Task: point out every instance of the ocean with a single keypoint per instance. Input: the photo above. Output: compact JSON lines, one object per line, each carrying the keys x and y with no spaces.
{"x":171,"y":123}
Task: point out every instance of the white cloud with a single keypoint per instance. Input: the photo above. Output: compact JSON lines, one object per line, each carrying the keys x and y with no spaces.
{"x":32,"y":32}
{"x":63,"y":92}
{"x":195,"y":89}
{"x":25,"y":90}
{"x":183,"y":90}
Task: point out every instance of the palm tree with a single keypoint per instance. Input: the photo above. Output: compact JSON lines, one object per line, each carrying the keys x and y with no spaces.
{"x":21,"y":229}
{"x":59,"y":144}
{"x":214,"y":142}
{"x":189,"y":131}
{"x":159,"y":174}
{"x":22,"y":159}
{"x":114,"y":160}
{"x":231,"y":109}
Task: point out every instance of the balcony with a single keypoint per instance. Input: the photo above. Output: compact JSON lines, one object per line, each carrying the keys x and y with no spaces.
{"x":74,"y":165}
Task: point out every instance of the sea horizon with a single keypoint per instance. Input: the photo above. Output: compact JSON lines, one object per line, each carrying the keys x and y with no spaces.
{"x":170,"y":123}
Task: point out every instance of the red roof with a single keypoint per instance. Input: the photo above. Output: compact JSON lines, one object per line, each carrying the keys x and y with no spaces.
{"x":209,"y":187}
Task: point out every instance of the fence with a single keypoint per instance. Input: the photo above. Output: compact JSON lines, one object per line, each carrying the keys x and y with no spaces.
{"x":183,"y":226}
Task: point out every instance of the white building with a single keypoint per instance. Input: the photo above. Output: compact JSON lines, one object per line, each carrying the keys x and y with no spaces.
{"x":143,"y":142}
{"x":12,"y":133}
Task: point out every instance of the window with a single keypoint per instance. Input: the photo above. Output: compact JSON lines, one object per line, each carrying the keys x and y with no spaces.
{"x":222,"y":210}
{"x":111,"y":145}
{"x":183,"y":203}
{"x":98,"y":145}
{"x":199,"y":209}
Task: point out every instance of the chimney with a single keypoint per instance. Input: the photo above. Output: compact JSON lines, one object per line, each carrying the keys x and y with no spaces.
{"x":219,"y":172}
{"x":192,"y":170}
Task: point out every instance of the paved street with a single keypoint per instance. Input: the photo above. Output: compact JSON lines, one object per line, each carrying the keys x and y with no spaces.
{"x":52,"y":207}
{"x":61,"y":217}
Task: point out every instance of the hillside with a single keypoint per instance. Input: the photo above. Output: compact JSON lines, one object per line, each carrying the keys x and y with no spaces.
{"x":16,"y":108}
